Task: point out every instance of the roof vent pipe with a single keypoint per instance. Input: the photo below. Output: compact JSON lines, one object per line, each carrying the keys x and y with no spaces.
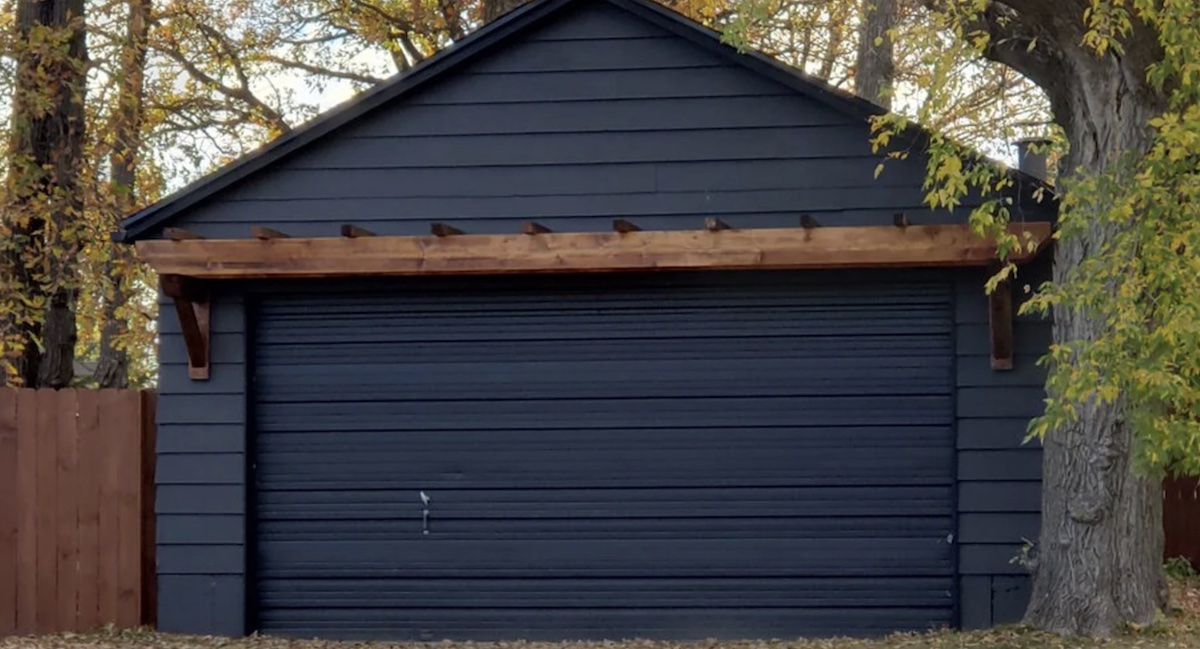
{"x":1030,"y":162}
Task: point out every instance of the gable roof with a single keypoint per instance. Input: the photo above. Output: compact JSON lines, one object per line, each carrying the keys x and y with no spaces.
{"x":467,"y":50}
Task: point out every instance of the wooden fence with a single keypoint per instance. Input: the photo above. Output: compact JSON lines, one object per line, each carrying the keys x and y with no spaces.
{"x":76,"y":510}
{"x":1181,"y":518}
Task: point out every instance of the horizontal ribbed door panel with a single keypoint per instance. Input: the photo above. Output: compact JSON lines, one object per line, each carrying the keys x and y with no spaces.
{"x":678,"y":456}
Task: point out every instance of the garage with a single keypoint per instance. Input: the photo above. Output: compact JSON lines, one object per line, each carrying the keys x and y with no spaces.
{"x":542,"y":340}
{"x":631,"y":456}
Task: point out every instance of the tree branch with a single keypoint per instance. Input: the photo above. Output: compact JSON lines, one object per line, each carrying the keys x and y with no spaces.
{"x":1025,"y":45}
{"x":1017,"y":41}
{"x":325,"y":72}
{"x":241,"y":93}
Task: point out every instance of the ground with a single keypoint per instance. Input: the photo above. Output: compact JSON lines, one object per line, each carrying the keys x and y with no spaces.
{"x":1180,"y":630}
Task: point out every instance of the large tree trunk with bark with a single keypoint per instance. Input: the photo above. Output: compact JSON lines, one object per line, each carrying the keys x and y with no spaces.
{"x":875,"y":64}
{"x":46,"y":203}
{"x":112,"y":367}
{"x":1098,"y":562}
{"x":1099,"y":559}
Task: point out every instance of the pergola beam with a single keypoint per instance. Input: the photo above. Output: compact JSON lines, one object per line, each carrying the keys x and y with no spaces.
{"x":590,"y":252}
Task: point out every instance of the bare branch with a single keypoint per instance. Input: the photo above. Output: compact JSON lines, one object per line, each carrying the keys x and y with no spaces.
{"x":326,"y":72}
{"x":1027,"y":47}
{"x":241,"y":93}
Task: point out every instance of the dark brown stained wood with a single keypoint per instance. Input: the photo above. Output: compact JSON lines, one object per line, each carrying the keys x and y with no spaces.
{"x":126,"y":425}
{"x":624,"y":226}
{"x":180,"y":234}
{"x":260,"y":232}
{"x":148,"y":583}
{"x":353,"y":231}
{"x":1000,"y":326}
{"x":1181,"y":518}
{"x":590,"y":252}
{"x":27,"y":510}
{"x":533,"y":227}
{"x":809,"y":221}
{"x":109,"y":537}
{"x":174,"y":286}
{"x":47,"y":496}
{"x":192,"y":308}
{"x":901,"y":220}
{"x":193,"y":322}
{"x":67,"y":489}
{"x":444,"y":230}
{"x":713,"y":224}
{"x":197,"y":340}
{"x":8,"y":513}
{"x":91,"y":447}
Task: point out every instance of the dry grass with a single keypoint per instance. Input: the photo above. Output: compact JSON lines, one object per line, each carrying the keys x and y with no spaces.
{"x":1180,"y":630}
{"x":1185,"y":596}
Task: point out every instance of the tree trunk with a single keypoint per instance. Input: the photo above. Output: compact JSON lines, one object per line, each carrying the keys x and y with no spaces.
{"x":57,"y":368}
{"x":1098,"y":562}
{"x":831,"y":54}
{"x":112,"y":362}
{"x":112,"y":367}
{"x":875,"y":65}
{"x":46,"y":201}
{"x":1099,"y":559}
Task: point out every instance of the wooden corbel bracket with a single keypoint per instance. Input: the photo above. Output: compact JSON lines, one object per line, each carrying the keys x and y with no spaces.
{"x":191,"y":300}
{"x":1000,"y":326}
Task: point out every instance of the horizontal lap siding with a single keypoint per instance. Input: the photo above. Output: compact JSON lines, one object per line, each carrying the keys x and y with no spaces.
{"x":201,"y":485}
{"x":594,"y":116}
{"x":999,"y":473}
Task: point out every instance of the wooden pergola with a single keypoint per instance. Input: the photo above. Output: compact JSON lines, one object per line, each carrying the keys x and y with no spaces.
{"x":186,"y":261}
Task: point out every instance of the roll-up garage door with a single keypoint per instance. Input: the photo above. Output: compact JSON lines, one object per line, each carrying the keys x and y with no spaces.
{"x":678,"y":456}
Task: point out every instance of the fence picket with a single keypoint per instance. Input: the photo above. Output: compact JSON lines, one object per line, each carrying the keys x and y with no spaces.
{"x":149,"y":462}
{"x":8,"y":512}
{"x":91,"y":447}
{"x":67,"y":517}
{"x":127,"y":432}
{"x":27,"y":499}
{"x":109,"y":468}
{"x":47,"y":496}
